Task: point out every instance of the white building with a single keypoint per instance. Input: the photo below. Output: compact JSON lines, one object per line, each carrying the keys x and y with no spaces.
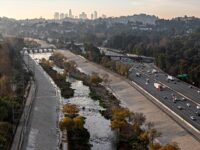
{"x":56,"y":15}
{"x":95,"y":15}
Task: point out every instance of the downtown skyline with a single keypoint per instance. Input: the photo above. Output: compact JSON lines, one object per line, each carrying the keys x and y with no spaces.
{"x":167,"y":9}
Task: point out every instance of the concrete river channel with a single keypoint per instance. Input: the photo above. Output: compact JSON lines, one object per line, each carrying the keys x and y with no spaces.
{"x":101,"y":135}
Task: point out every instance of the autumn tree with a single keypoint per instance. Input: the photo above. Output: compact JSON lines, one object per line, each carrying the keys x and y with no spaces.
{"x":78,"y":122}
{"x":95,"y":79}
{"x":5,"y":86}
{"x":70,"y":109}
{"x":170,"y":146}
{"x":58,"y":59}
{"x":66,"y":123}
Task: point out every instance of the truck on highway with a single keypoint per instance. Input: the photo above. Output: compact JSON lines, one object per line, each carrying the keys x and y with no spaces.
{"x":170,"y":78}
{"x":158,"y":86}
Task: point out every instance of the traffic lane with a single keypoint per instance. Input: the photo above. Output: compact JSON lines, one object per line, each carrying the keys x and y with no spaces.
{"x":153,"y":80}
{"x":161,"y":76}
{"x":181,"y":87}
{"x":186,"y":114}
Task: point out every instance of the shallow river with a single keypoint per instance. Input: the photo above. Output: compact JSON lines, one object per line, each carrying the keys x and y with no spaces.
{"x":101,"y":136}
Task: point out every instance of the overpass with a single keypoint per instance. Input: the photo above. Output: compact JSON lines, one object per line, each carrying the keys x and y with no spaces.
{"x":114,"y":53}
{"x":37,"y":50}
{"x":132,"y":57}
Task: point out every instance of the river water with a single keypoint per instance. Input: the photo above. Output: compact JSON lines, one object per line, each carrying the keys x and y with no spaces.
{"x":101,"y":135}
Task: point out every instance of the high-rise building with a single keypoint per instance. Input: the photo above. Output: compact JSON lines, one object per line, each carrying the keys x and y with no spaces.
{"x":95,"y":15}
{"x":70,"y":14}
{"x":103,"y":16}
{"x":62,"y":16}
{"x":56,"y":15}
{"x":92,"y":16}
{"x":83,"y":15}
{"x":66,"y":15}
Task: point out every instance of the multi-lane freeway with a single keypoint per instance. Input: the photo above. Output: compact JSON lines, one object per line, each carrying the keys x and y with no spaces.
{"x":187,"y":97}
{"x":179,"y":97}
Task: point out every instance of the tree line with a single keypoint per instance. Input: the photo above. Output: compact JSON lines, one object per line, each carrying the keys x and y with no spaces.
{"x":13,"y":81}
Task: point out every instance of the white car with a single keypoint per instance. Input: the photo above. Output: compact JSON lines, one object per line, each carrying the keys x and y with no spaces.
{"x":188,"y":104}
{"x":180,"y":108}
{"x":198,"y":107}
{"x":183,"y":99}
{"x":193,"y":118}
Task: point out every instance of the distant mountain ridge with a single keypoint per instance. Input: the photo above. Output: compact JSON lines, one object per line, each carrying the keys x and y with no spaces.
{"x":143,"y":18}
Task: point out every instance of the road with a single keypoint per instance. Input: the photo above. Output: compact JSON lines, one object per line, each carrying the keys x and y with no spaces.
{"x":135,"y":101}
{"x":165,"y":96}
{"x":42,"y":128}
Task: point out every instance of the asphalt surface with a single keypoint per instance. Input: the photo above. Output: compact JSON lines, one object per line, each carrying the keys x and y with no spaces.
{"x":42,"y":132}
{"x":179,"y":90}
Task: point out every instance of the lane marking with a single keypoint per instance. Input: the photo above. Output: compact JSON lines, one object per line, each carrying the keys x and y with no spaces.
{"x":195,"y":129}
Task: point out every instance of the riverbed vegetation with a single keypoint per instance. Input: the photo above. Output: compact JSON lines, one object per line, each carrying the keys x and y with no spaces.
{"x":59,"y":79}
{"x":93,"y":54}
{"x":72,"y":123}
{"x":133,"y":132}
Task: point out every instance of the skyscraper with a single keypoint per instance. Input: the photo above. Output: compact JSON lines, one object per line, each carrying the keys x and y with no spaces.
{"x":62,"y":16}
{"x":70,"y":14}
{"x":83,"y":16}
{"x":92,"y":16}
{"x":95,"y":15}
{"x":56,"y":15}
{"x":66,"y":15}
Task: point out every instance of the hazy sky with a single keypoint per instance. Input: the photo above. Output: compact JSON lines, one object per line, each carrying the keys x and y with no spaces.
{"x":21,"y":9}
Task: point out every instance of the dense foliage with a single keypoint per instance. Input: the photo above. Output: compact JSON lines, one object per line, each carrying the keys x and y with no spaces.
{"x":174,"y":54}
{"x":13,"y":81}
{"x":73,"y":124}
{"x":59,"y":79}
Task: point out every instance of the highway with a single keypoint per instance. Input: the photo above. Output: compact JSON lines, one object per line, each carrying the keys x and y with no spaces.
{"x":187,"y":96}
{"x":179,"y":90}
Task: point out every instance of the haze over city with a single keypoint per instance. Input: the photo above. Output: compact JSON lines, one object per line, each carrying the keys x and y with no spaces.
{"x":99,"y":75}
{"x":22,"y":9}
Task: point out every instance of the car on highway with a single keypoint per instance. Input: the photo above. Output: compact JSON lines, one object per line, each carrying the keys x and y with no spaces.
{"x":198,"y":107}
{"x":174,"y":100}
{"x":188,"y":104}
{"x":193,"y":118}
{"x":165,"y":97}
{"x":183,"y":99}
{"x":197,"y":113}
{"x":170,"y":78}
{"x":180,"y":108}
